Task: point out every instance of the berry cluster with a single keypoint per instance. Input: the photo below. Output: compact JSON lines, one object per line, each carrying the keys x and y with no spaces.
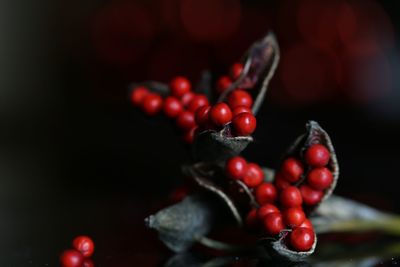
{"x":225,"y":81}
{"x":79,"y":256}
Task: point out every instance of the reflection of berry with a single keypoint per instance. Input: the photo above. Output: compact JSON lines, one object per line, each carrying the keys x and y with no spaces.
{"x":266,"y":193}
{"x":236,"y":70}
{"x":301,"y":239}
{"x":266,"y":209}
{"x":84,"y":244}
{"x":310,"y":196}
{"x":172,"y":107}
{"x":179,"y":86}
{"x":253,"y":176}
{"x":71,"y":258}
{"x":240,"y":98}
{"x":273,"y":223}
{"x":291,"y":197}
{"x":220,"y":114}
{"x":236,"y":167}
{"x":317,"y":155}
{"x":294,"y":216}
{"x":320,"y":178}
{"x":138,"y":94}
{"x":152,"y":104}
{"x":292,"y":169}
{"x":244,"y":124}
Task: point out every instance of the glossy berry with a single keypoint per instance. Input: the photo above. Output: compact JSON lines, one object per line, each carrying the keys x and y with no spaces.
{"x":292,"y":169}
{"x":251,"y":218}
{"x":320,"y":178}
{"x":236,"y":70}
{"x":189,"y":135}
{"x":240,"y":98}
{"x":223,"y":83}
{"x":241,"y":109}
{"x":185,"y":120}
{"x":88,"y":263}
{"x":244,"y":124}
{"x":220,"y":114}
{"x":236,"y":167}
{"x":294,"y":216}
{"x":202,"y":116}
{"x":266,"y":209}
{"x":307,"y":224}
{"x":172,"y":107}
{"x":84,"y":245}
{"x":280,"y":182}
{"x":317,"y":155}
{"x":179,"y":86}
{"x":152,"y":104}
{"x":138,"y":94}
{"x":273,"y":223}
{"x":301,"y":239}
{"x":266,"y":193}
{"x":186,"y":98}
{"x":291,"y":197}
{"x":253,"y":176}
{"x":197,"y":102}
{"x":71,"y":258}
{"x":310,"y":196}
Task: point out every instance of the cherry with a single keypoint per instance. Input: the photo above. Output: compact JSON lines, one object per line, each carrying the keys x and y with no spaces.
{"x":273,"y":223}
{"x":84,"y":244}
{"x":320,"y":178}
{"x":291,"y":197}
{"x":244,"y":124}
{"x":292,"y":169}
{"x":307,"y":224}
{"x":202,"y":116}
{"x":223,"y":83}
{"x":152,"y":104}
{"x":236,"y":167}
{"x":197,"y":102}
{"x":236,"y":70}
{"x":302,"y":239}
{"x":188,"y":135}
{"x":240,"y":98}
{"x":138,"y":94}
{"x":186,"y":98}
{"x":253,"y":176}
{"x":179,"y":86}
{"x":220,"y":114}
{"x":71,"y":258}
{"x":88,"y":263}
{"x":266,"y":209}
{"x":266,"y":193}
{"x":251,"y":218}
{"x":185,"y":120}
{"x":317,"y":155}
{"x":172,"y":107}
{"x":280,"y":182}
{"x":241,"y":109}
{"x":294,"y":216}
{"x":310,"y":196}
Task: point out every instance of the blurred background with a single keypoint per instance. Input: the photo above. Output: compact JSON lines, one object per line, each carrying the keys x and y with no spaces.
{"x":77,"y":158}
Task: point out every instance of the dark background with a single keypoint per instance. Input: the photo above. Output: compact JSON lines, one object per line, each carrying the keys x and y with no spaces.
{"x":76,"y":158}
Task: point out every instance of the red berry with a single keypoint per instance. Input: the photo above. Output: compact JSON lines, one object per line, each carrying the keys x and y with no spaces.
{"x":152,"y":104}
{"x":223,"y":83}
{"x":172,"y":107}
{"x":71,"y":258}
{"x":202,"y":116}
{"x":241,"y":109}
{"x":220,"y":114}
{"x":138,"y":94}
{"x":320,"y":178}
{"x":84,"y":244}
{"x":291,"y":197}
{"x":307,"y":224}
{"x":236,"y":70}
{"x":317,"y":155}
{"x":292,"y":169}
{"x":273,"y":223}
{"x":280,"y":182}
{"x":266,"y":209}
{"x":179,"y":86}
{"x":236,"y":167}
{"x":197,"y":102}
{"x":186,"y":98}
{"x":189,"y":135}
{"x":185,"y":120}
{"x":310,"y":196}
{"x":302,"y":239}
{"x":240,"y":98}
{"x":179,"y":194}
{"x":253,"y":176}
{"x":88,"y":263}
{"x":266,"y":193}
{"x":244,"y":124}
{"x":251,"y":218}
{"x":294,"y":216}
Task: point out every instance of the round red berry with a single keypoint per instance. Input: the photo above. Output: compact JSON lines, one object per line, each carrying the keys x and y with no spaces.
{"x":236,"y":70}
{"x":291,"y":197}
{"x":185,"y":120}
{"x":186,"y":98}
{"x":223,"y":83}
{"x":317,"y":155}
{"x":251,"y":218}
{"x":172,"y":107}
{"x":294,"y":216}
{"x":253,"y":176}
{"x":88,"y":263}
{"x":307,"y":224}
{"x":179,"y":194}
{"x":310,"y":196}
{"x":202,"y":116}
{"x":138,"y":94}
{"x":197,"y":102}
{"x":241,"y":109}
{"x":220,"y":114}
{"x":189,"y":135}
{"x":84,"y":244}
{"x":266,"y":209}
{"x":280,"y":182}
{"x":244,"y":124}
{"x":152,"y":104}
{"x":266,"y":193}
{"x":273,"y":223}
{"x":320,"y":178}
{"x":302,"y":239}
{"x":236,"y":167}
{"x":179,"y":86}
{"x":240,"y":98}
{"x":292,"y":169}
{"x":71,"y":258}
